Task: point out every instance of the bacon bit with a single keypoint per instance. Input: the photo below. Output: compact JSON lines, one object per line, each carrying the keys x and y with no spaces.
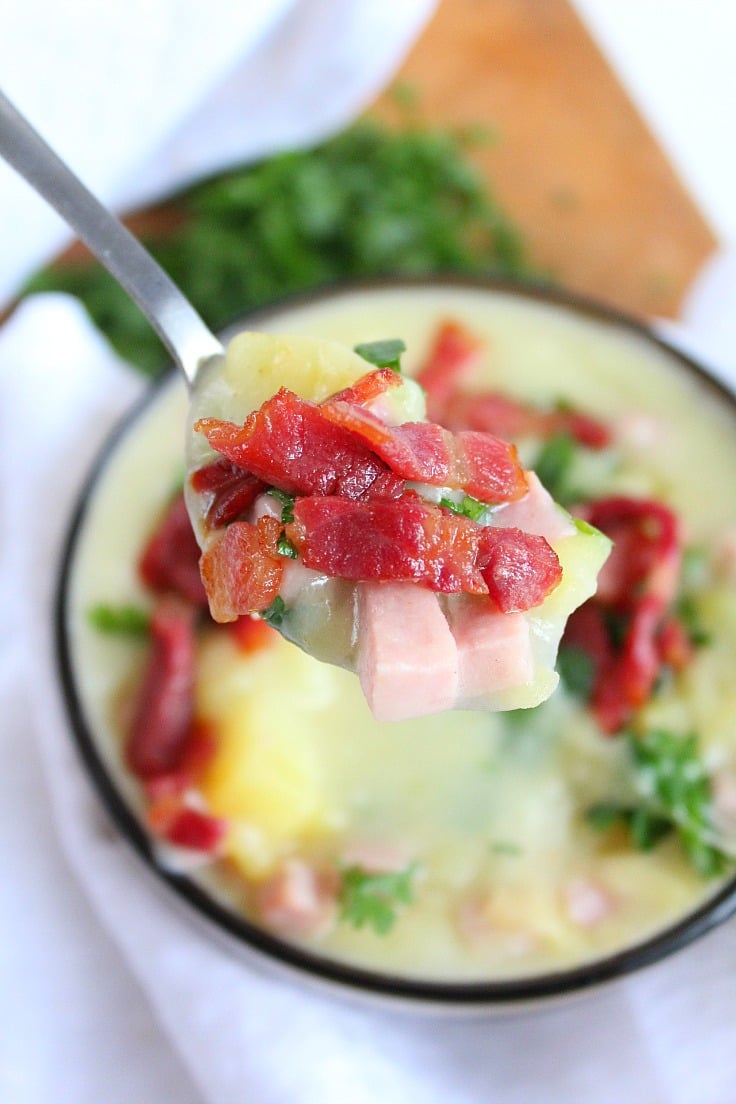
{"x":232,"y":491}
{"x":520,"y":569}
{"x":646,"y":553}
{"x":290,"y":444}
{"x":414,"y":450}
{"x":404,"y":539}
{"x":242,"y":570}
{"x":451,"y":361}
{"x":636,"y":587}
{"x":195,"y":830}
{"x":367,"y":388}
{"x":489,"y":468}
{"x":414,"y":540}
{"x":454,"y":354}
{"x":170,"y":559}
{"x":253,"y":634}
{"x":164,"y":709}
{"x":491,"y":412}
{"x":675,"y":646}
{"x":587,"y":902}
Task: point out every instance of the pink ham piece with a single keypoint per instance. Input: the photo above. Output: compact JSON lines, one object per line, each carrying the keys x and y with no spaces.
{"x":407,"y":659}
{"x":537,"y":512}
{"x":298,"y":900}
{"x":494,"y":650}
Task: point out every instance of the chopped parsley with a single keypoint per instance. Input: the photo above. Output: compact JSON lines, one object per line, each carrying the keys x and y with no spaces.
{"x":577,"y":671}
{"x":276,"y":612}
{"x":468,"y":506}
{"x":287,"y":504}
{"x":382,"y":354}
{"x":371,"y":899}
{"x":119,"y":620}
{"x":285,"y":547}
{"x":693,"y":577}
{"x":676,"y":796}
{"x":554,"y":464}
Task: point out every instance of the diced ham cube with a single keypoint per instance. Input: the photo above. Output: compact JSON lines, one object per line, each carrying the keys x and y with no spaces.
{"x":407,"y":659}
{"x":298,"y":900}
{"x":537,"y":512}
{"x":587,"y":902}
{"x":494,"y":649}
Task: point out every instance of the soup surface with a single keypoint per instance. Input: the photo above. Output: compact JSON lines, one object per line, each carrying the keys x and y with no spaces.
{"x":465,"y":845}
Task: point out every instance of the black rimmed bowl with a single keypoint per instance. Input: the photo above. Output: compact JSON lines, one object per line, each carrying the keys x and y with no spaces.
{"x":118,"y":516}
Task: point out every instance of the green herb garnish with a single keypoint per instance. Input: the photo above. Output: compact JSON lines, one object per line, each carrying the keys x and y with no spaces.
{"x":119,"y":620}
{"x":371,"y":201}
{"x":382,"y":354}
{"x":276,"y":612}
{"x":506,"y":847}
{"x":287,"y":503}
{"x":676,"y":797}
{"x":285,"y":547}
{"x":646,"y":828}
{"x":577,"y":671}
{"x":554,"y":464}
{"x":372,"y":899}
{"x":468,"y":506}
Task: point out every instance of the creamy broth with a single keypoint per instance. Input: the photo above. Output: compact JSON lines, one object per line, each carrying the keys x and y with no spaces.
{"x":486,"y":811}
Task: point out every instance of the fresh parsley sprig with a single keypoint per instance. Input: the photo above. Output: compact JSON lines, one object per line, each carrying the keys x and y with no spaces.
{"x":468,"y":506}
{"x":125,"y":620}
{"x":372,"y":899}
{"x":676,"y":795}
{"x":382,"y":354}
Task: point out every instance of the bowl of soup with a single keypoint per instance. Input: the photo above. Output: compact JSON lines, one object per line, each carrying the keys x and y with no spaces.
{"x":470,"y":858}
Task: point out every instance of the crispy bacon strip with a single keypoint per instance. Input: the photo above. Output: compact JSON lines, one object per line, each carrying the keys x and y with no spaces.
{"x":519,"y":569}
{"x":486,"y":467}
{"x":242,"y":569}
{"x":491,"y":412}
{"x":368,"y":387}
{"x":413,"y":540}
{"x":452,"y":360}
{"x":636,"y":588}
{"x":170,"y":560}
{"x":290,"y":444}
{"x":163,"y":712}
{"x":231,"y":491}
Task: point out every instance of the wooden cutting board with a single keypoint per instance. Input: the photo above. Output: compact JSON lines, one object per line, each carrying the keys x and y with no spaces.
{"x":572,"y":162}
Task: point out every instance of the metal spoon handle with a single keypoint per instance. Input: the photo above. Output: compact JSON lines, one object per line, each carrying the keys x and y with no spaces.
{"x":172,"y":316}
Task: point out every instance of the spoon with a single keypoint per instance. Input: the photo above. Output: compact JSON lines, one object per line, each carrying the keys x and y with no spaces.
{"x":172,"y":316}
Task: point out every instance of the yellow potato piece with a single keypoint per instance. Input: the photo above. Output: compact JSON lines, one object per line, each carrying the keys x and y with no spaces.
{"x":265,"y":776}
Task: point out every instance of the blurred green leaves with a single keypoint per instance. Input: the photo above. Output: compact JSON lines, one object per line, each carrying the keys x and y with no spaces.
{"x":369,"y":202}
